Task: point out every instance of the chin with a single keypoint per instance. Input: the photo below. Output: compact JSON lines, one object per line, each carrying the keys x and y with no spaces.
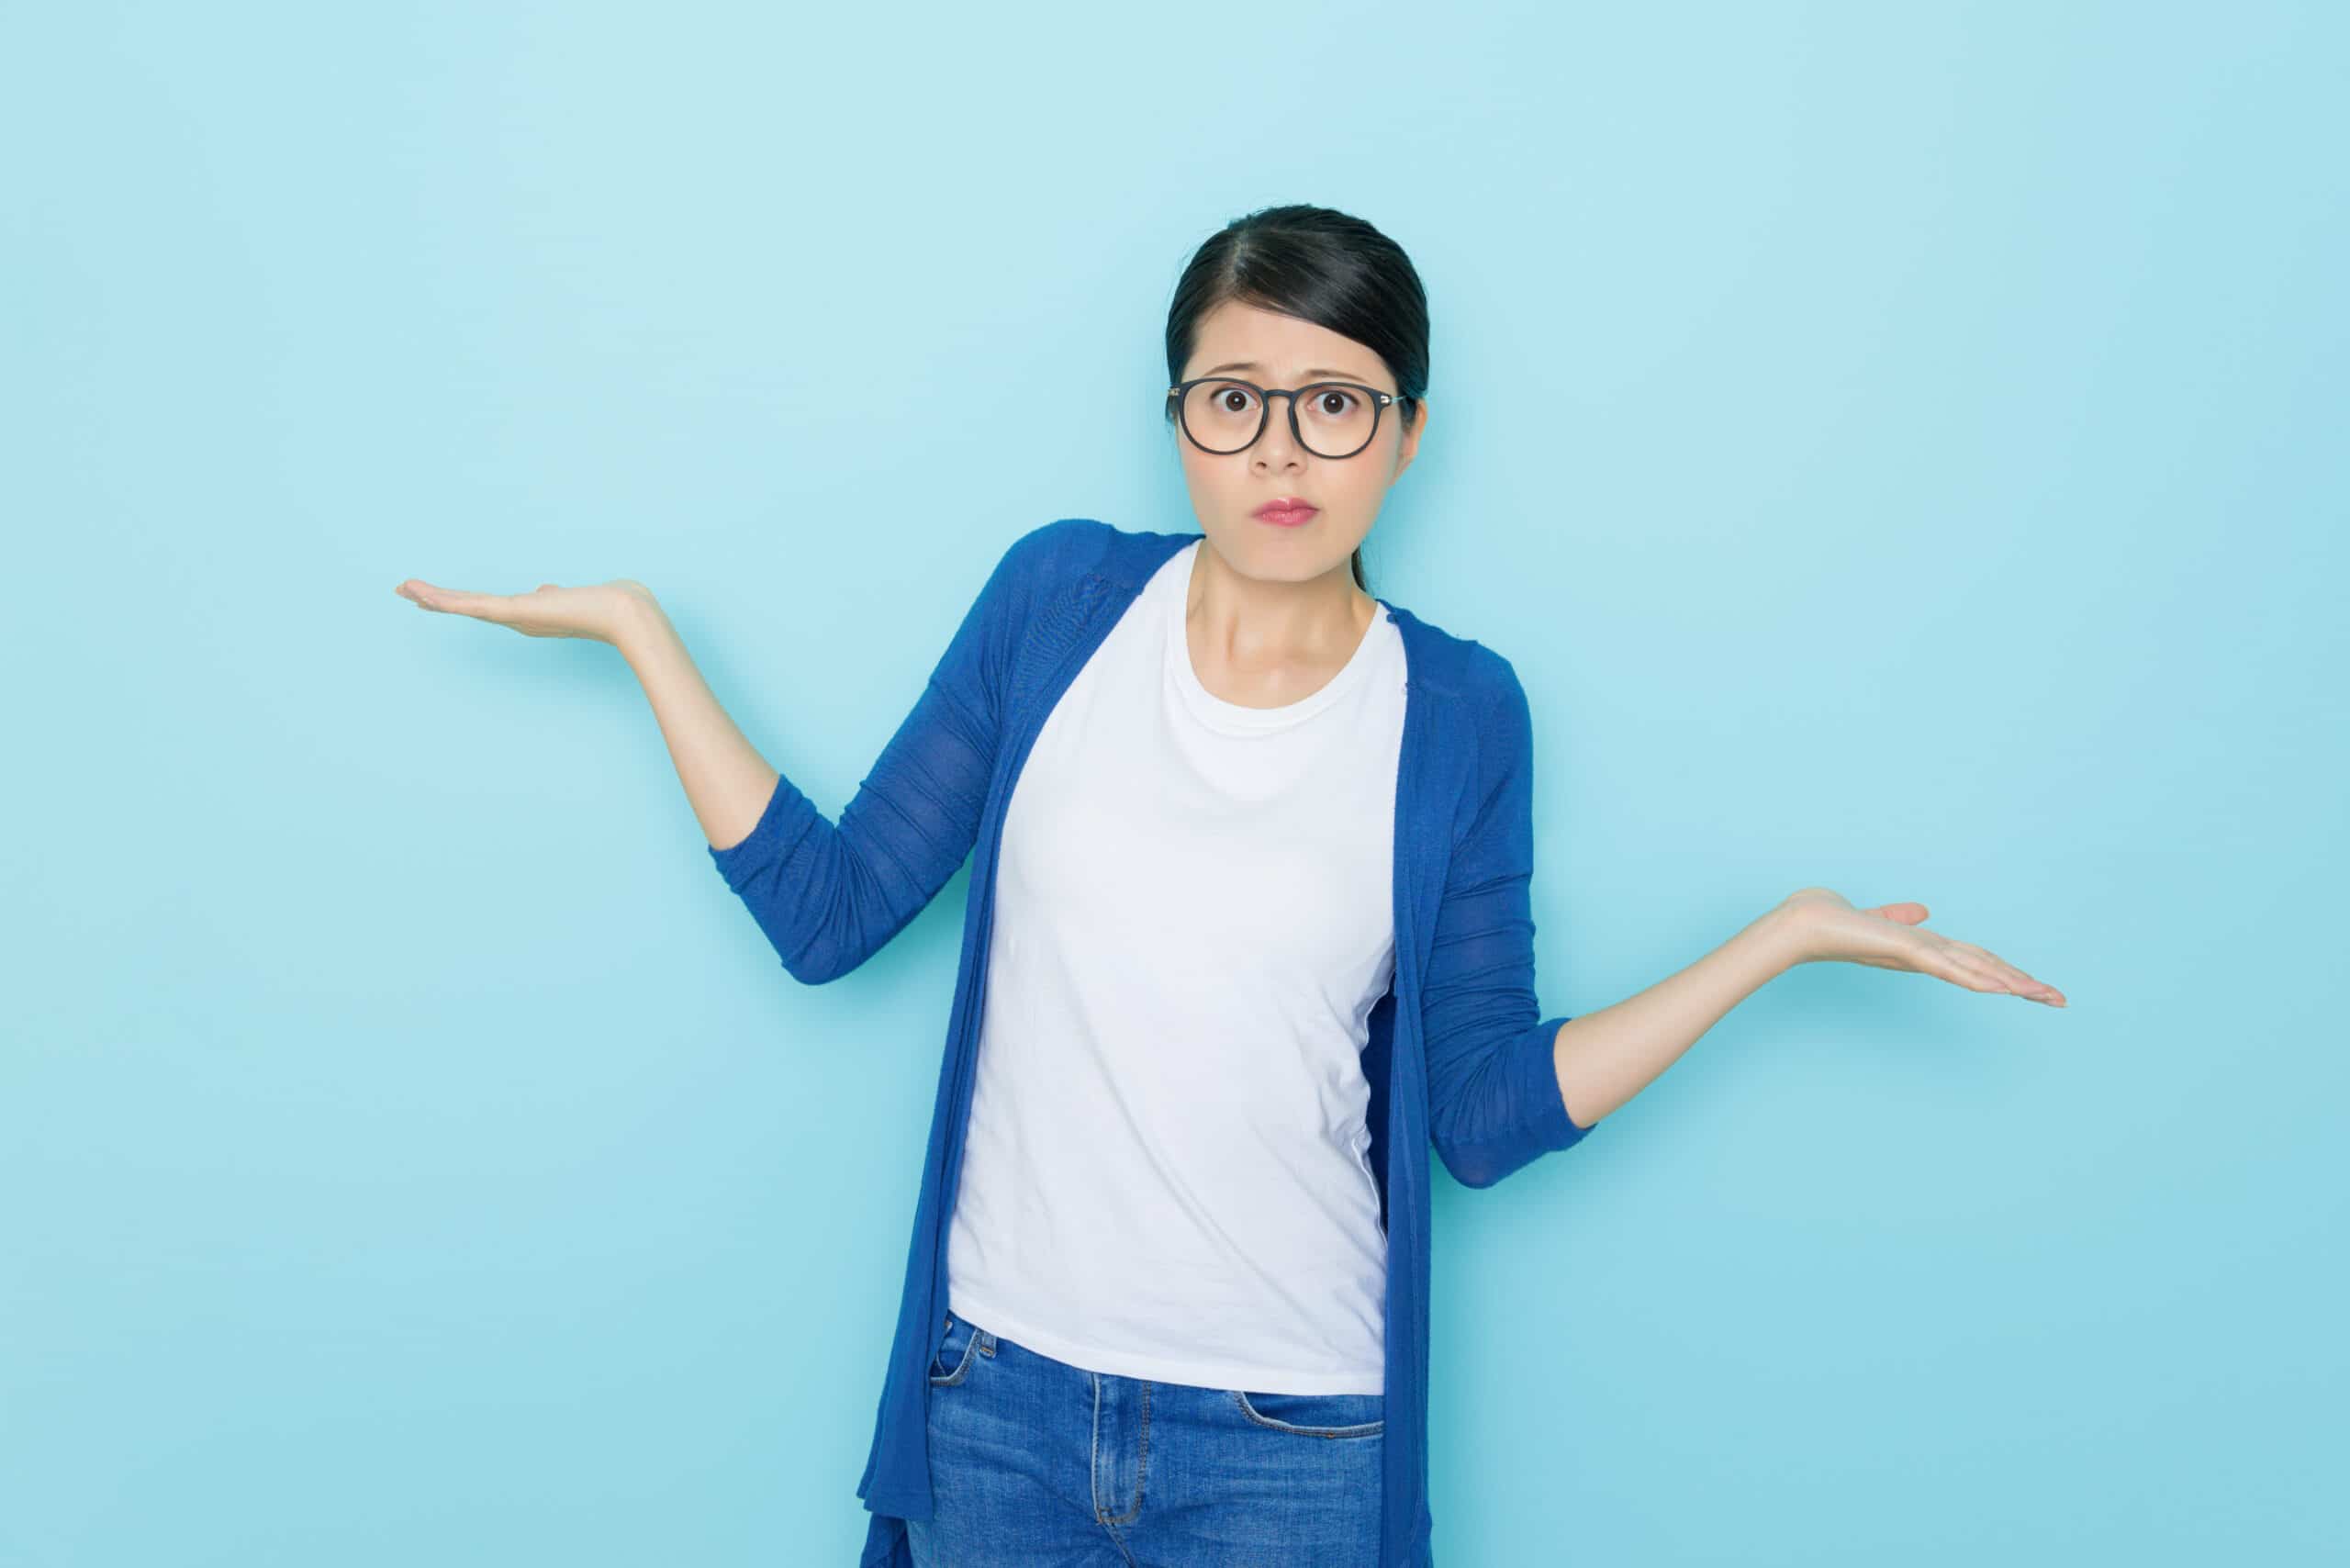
{"x":1277,"y":566}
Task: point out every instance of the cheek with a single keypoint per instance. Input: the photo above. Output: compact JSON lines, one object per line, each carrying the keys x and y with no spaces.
{"x":1357,"y":492}
{"x":1210,"y":477}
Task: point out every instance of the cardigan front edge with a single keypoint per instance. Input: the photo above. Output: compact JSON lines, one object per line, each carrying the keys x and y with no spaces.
{"x":1463,"y":1061}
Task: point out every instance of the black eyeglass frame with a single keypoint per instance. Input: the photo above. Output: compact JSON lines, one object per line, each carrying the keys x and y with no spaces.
{"x":1176,"y":397}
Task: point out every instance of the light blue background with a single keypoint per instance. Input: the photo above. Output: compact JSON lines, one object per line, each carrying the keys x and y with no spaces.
{"x":1901,"y":448}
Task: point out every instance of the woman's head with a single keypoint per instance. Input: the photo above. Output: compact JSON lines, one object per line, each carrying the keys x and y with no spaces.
{"x":1286,"y":297}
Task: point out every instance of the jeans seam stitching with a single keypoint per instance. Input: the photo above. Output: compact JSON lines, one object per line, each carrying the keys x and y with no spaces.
{"x":1361,"y":1430}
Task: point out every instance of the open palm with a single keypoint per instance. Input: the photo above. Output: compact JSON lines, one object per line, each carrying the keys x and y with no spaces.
{"x":1893,"y":937}
{"x":595,"y":611}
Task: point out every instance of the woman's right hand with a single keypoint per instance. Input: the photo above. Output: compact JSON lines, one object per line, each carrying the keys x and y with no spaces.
{"x":598,"y":612}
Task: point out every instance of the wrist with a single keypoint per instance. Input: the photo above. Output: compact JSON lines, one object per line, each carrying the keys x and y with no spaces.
{"x":638,"y":623}
{"x":1786,"y":932}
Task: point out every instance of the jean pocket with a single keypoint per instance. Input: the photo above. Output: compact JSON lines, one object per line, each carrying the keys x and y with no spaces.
{"x":950,"y":1359}
{"x":1316,"y":1415}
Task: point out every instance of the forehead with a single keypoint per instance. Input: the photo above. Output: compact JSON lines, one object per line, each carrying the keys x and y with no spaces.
{"x":1281,"y":347}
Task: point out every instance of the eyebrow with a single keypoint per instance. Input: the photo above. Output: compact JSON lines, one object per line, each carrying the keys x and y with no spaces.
{"x":1318,"y":370}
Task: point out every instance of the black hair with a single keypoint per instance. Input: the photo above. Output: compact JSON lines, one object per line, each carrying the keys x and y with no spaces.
{"x":1322,"y":267}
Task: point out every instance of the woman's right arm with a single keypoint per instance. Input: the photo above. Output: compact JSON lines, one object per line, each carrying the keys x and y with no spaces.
{"x":727,"y":782}
{"x":827,"y":895}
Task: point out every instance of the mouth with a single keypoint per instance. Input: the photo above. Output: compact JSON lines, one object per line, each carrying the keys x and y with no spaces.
{"x":1286,"y":512}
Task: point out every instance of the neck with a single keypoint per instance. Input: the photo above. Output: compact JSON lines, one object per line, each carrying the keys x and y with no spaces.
{"x":1256,"y":623}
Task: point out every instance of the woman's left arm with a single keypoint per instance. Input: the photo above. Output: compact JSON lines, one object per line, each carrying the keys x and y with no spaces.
{"x":1606,"y":1058}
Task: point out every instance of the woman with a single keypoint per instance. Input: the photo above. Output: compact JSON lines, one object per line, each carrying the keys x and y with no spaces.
{"x":1249,"y":918}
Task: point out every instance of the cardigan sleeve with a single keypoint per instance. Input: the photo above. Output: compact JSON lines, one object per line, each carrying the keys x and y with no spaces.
{"x":1494,"y":1099}
{"x":829,"y":895}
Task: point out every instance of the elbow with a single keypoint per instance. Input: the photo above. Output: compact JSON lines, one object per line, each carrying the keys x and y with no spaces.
{"x":1469,"y":1167}
{"x":807,"y":974}
{"x":1505,"y":1116}
{"x":1477,"y":1157}
{"x":1484,"y":1161}
{"x":820,"y":963}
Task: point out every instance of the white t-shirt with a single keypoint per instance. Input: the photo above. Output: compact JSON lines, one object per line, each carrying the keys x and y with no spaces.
{"x":1166,"y":1174}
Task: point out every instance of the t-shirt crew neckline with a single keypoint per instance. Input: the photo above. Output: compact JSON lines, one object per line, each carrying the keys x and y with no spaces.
{"x":1235,"y":717}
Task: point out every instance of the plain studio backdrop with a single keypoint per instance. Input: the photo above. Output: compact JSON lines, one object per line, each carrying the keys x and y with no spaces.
{"x":1899,"y":449}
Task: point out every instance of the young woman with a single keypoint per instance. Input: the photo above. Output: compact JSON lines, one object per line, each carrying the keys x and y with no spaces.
{"x":1249,"y":933}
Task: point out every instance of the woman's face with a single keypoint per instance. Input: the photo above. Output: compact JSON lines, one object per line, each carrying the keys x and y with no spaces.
{"x":1272,"y":349}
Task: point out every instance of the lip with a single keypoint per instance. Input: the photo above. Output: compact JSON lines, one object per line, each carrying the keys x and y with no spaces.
{"x":1286,"y":511}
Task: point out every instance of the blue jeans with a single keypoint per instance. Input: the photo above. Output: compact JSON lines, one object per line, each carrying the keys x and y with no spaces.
{"x":1034,"y":1461}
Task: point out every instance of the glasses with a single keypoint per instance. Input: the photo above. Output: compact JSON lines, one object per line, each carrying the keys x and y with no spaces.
{"x":1330,"y":419}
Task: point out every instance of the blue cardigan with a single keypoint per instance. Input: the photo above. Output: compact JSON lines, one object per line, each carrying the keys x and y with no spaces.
{"x":1459,"y":1054}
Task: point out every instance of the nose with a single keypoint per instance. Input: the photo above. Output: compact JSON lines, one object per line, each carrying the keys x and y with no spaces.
{"x":1277,"y":447}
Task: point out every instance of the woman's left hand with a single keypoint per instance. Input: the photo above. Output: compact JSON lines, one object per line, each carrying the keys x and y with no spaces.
{"x":1824,"y":925}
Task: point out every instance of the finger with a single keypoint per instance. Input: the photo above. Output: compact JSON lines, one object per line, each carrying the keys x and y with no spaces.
{"x":1955,"y":964}
{"x":2009,"y":979}
{"x":456,"y":601}
{"x":1984,"y":981}
{"x":1907,"y":912}
{"x":2023,"y":985}
{"x":2014,"y":978}
{"x":425,"y":595}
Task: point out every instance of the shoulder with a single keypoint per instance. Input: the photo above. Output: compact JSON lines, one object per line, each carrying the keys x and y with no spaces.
{"x":1069,"y":549}
{"x":1501,"y":696}
{"x":1046,"y":543}
{"x":1496,"y":703}
{"x":1461,"y":670}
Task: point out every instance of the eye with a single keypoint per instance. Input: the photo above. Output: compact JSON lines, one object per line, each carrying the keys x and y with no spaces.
{"x":1335,"y":401}
{"x":1232,"y":397}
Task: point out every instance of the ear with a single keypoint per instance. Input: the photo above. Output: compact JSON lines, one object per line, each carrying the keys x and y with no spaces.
{"x":1411,"y":444}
